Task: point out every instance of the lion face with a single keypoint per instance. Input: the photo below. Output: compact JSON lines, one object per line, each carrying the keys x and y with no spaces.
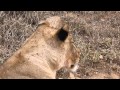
{"x":61,"y":41}
{"x":47,"y":50}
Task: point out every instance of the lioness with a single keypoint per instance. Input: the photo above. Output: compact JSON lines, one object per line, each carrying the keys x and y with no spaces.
{"x":48,"y":49}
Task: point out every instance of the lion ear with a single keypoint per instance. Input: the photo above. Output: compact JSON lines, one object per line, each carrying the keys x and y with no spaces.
{"x":57,"y":28}
{"x":53,"y":22}
{"x":43,"y":22}
{"x":66,"y":27}
{"x":62,"y":34}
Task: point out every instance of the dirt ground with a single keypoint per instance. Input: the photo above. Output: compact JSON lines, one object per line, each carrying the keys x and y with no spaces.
{"x":96,"y":34}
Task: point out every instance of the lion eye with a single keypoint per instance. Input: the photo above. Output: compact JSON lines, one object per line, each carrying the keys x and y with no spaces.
{"x":71,"y":66}
{"x":62,"y":35}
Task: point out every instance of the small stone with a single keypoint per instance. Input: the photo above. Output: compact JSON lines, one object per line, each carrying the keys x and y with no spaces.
{"x":102,"y":19}
{"x":101,"y":56}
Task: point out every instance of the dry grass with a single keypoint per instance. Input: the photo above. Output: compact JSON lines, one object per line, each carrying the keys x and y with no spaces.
{"x":96,"y":33}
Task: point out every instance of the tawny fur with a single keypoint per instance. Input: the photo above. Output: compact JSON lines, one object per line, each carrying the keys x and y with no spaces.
{"x":42,"y":54}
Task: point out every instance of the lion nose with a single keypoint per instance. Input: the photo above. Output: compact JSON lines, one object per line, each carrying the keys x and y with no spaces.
{"x":74,"y":67}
